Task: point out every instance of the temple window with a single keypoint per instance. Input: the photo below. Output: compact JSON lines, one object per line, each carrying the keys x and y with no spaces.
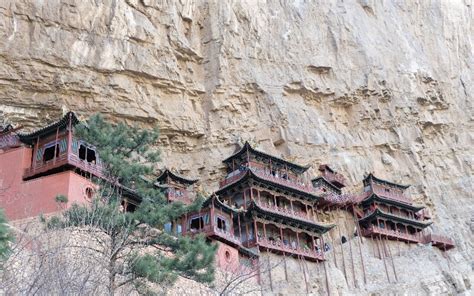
{"x":87,"y":154}
{"x":197,"y":223}
{"x":82,"y":152}
{"x":221,"y":223}
{"x":168,"y":227}
{"x":49,"y":152}
{"x":91,"y":156}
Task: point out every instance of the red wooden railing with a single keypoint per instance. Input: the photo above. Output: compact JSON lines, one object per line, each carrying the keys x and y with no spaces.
{"x":287,"y":212}
{"x":334,"y":177}
{"x":391,"y":195}
{"x":280,"y":246}
{"x":267,"y":176}
{"x":374,"y":230}
{"x":174,"y":195}
{"x":63,"y":159}
{"x":437,"y":238}
{"x":213,"y":230}
{"x":372,"y":209}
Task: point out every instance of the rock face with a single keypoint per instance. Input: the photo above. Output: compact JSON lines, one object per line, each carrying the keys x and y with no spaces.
{"x":381,"y":86}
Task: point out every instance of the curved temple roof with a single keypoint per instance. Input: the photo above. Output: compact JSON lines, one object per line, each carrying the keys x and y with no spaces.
{"x":299,"y":168}
{"x":380,"y":213}
{"x":378,"y":180}
{"x":292,"y":221}
{"x":392,"y":201}
{"x":250,"y":174}
{"x":180,"y":179}
{"x":30,"y":138}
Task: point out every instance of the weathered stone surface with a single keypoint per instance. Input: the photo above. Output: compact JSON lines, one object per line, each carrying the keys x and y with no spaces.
{"x":378,"y":86}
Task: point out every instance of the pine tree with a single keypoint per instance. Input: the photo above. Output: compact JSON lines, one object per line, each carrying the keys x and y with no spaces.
{"x":5,"y":237}
{"x":126,"y":238}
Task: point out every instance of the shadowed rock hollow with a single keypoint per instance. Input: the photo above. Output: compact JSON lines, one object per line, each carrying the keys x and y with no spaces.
{"x":381,"y":86}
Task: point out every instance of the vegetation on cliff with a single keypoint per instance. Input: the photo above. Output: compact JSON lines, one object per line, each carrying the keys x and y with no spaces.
{"x":131,"y":246}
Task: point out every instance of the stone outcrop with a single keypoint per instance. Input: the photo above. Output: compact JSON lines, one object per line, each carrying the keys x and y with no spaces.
{"x":362,"y":85}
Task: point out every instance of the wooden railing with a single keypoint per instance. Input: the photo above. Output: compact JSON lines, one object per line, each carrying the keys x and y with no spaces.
{"x":374,"y":230}
{"x":296,"y":250}
{"x":40,"y":167}
{"x":340,"y":199}
{"x":92,"y":168}
{"x":174,"y":195}
{"x":269,"y":177}
{"x":232,"y":179}
{"x":437,"y":238}
{"x":286,"y":212}
{"x":392,"y":195}
{"x":213,"y":230}
{"x":334,"y":178}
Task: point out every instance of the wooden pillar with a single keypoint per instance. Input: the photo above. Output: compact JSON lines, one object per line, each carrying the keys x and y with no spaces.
{"x":281,"y":234}
{"x":69,"y":136}
{"x":240,"y":227}
{"x":56,"y":146}
{"x":35,"y":152}
{"x":297,"y":240}
{"x":258,"y":196}
{"x":274,"y":199}
{"x":247,"y":230}
{"x":255,"y":231}
{"x":231,"y":223}
{"x":245,"y":198}
{"x":291,"y":205}
{"x":307,"y":212}
{"x":264,"y":230}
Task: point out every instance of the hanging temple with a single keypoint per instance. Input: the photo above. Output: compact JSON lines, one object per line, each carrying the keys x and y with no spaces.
{"x":263,"y":204}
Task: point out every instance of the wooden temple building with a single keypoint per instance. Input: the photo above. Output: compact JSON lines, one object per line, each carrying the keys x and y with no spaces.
{"x":175,"y":187}
{"x":387,"y":212}
{"x":36,"y":167}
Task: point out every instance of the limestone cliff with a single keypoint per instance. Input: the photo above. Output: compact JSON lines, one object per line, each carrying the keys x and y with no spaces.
{"x":364,"y":85}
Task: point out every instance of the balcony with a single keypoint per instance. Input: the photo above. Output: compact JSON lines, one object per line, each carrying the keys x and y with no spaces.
{"x":390,"y":234}
{"x":398,"y":215}
{"x":279,"y":246}
{"x":213,"y":231}
{"x":335,"y":178}
{"x":392,"y":195}
{"x":286,"y":212}
{"x":182,"y":196}
{"x":65,"y":159}
{"x":261,"y":173}
{"x":231,"y":178}
{"x":439,"y":241}
{"x":340,"y":199}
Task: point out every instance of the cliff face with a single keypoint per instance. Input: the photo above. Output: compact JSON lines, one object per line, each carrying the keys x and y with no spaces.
{"x":381,"y":86}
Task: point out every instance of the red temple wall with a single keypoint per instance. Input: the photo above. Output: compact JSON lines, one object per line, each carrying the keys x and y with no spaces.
{"x":227,"y":258}
{"x":23,"y":199}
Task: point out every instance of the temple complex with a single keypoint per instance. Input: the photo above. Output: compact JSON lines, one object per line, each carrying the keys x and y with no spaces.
{"x":263,"y":204}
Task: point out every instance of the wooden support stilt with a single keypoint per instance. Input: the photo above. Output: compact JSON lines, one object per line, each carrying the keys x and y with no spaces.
{"x":359,"y":244}
{"x":382,"y":258}
{"x":352,"y":258}
{"x":327,"y":278}
{"x":270,"y":274}
{"x":304,"y":274}
{"x":332,"y":242}
{"x":284,"y":263}
{"x":342,"y":254}
{"x":393,"y":261}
